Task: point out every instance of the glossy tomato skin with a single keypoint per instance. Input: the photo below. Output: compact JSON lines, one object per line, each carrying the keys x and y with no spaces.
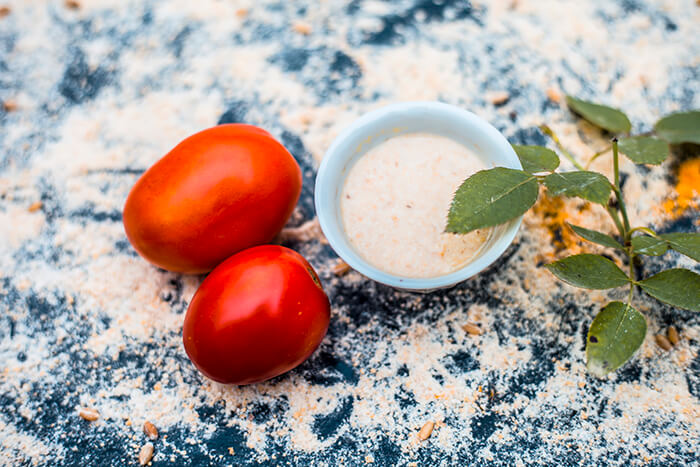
{"x":259,"y":314}
{"x":216,"y":193}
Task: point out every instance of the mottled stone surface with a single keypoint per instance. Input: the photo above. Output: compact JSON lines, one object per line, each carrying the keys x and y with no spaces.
{"x":93,"y":95}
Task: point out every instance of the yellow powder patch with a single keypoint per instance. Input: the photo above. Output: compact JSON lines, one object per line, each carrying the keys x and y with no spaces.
{"x":554,"y":218}
{"x":687,"y":189}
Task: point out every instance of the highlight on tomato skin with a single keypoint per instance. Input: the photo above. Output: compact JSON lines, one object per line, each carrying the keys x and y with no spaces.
{"x":256,"y":316}
{"x":216,"y":193}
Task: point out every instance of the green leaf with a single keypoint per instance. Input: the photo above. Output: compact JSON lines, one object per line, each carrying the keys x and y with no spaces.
{"x":650,"y":246}
{"x":589,"y":272}
{"x":602,"y":116}
{"x":491,"y":197}
{"x":685,"y":243}
{"x":596,"y":237}
{"x":537,"y":159}
{"x":677,"y":287}
{"x":615,"y":334}
{"x":683,"y":127}
{"x":644,"y":149}
{"x":588,"y":185}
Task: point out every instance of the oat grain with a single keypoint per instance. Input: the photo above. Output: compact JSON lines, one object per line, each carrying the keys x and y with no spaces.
{"x":426,"y":431}
{"x":150,"y":430}
{"x":472,"y":329}
{"x":672,"y":334}
{"x":146,"y":454}
{"x":89,"y":414}
{"x":662,"y":342}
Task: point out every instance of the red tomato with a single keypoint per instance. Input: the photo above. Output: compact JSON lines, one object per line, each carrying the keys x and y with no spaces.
{"x":257,"y":315}
{"x":216,"y":193}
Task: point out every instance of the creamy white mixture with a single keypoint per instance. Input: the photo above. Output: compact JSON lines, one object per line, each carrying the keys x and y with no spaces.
{"x":395,"y":202}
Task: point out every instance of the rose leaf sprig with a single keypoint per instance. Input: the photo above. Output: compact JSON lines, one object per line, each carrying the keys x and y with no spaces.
{"x":498,"y":195}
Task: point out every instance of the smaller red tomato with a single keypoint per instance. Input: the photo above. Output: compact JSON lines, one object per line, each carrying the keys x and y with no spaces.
{"x":257,"y":315}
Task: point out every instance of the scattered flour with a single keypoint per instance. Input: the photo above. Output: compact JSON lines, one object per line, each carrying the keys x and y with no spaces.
{"x":85,"y":322}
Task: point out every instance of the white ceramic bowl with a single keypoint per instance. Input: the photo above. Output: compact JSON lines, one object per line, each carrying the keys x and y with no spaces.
{"x":379,"y":125}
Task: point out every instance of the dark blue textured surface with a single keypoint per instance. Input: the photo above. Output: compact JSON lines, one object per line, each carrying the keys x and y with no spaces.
{"x":102,"y":92}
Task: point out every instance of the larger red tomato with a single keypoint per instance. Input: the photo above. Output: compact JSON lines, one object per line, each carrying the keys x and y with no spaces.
{"x":257,"y":315}
{"x":216,"y":193}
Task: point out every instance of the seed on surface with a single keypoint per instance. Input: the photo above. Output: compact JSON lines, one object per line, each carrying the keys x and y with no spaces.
{"x":472,"y":329}
{"x":88,"y":414}
{"x":662,"y":342}
{"x":553,"y":95}
{"x":9,"y":105}
{"x":150,"y":430}
{"x":306,"y":232}
{"x":72,"y":4}
{"x":35,"y":206}
{"x":146,"y":453}
{"x":426,"y":431}
{"x":4,"y":11}
{"x":302,"y":28}
{"x":673,"y":335}
{"x":498,"y":97}
{"x":341,"y":268}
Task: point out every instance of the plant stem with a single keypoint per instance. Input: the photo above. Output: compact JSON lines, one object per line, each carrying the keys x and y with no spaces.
{"x":618,"y":193}
{"x":616,"y":165}
{"x":642,"y":229}
{"x":629,"y":297}
{"x":616,"y":220}
{"x":632,"y":275}
{"x":548,"y":131}
{"x":631,"y":256}
{"x":596,"y":156}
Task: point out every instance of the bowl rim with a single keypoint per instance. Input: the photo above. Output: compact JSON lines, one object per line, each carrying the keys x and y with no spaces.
{"x":342,"y":246}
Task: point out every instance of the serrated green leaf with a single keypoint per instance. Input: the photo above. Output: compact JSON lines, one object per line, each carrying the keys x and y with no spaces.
{"x":614,"y":336}
{"x":584,"y":184}
{"x":491,"y":197}
{"x":589,"y":272}
{"x":683,"y":127}
{"x":684,"y":243}
{"x":537,"y":159}
{"x":644,"y":149}
{"x":596,"y":237}
{"x":602,"y":116}
{"x":677,"y":287}
{"x":650,"y":246}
